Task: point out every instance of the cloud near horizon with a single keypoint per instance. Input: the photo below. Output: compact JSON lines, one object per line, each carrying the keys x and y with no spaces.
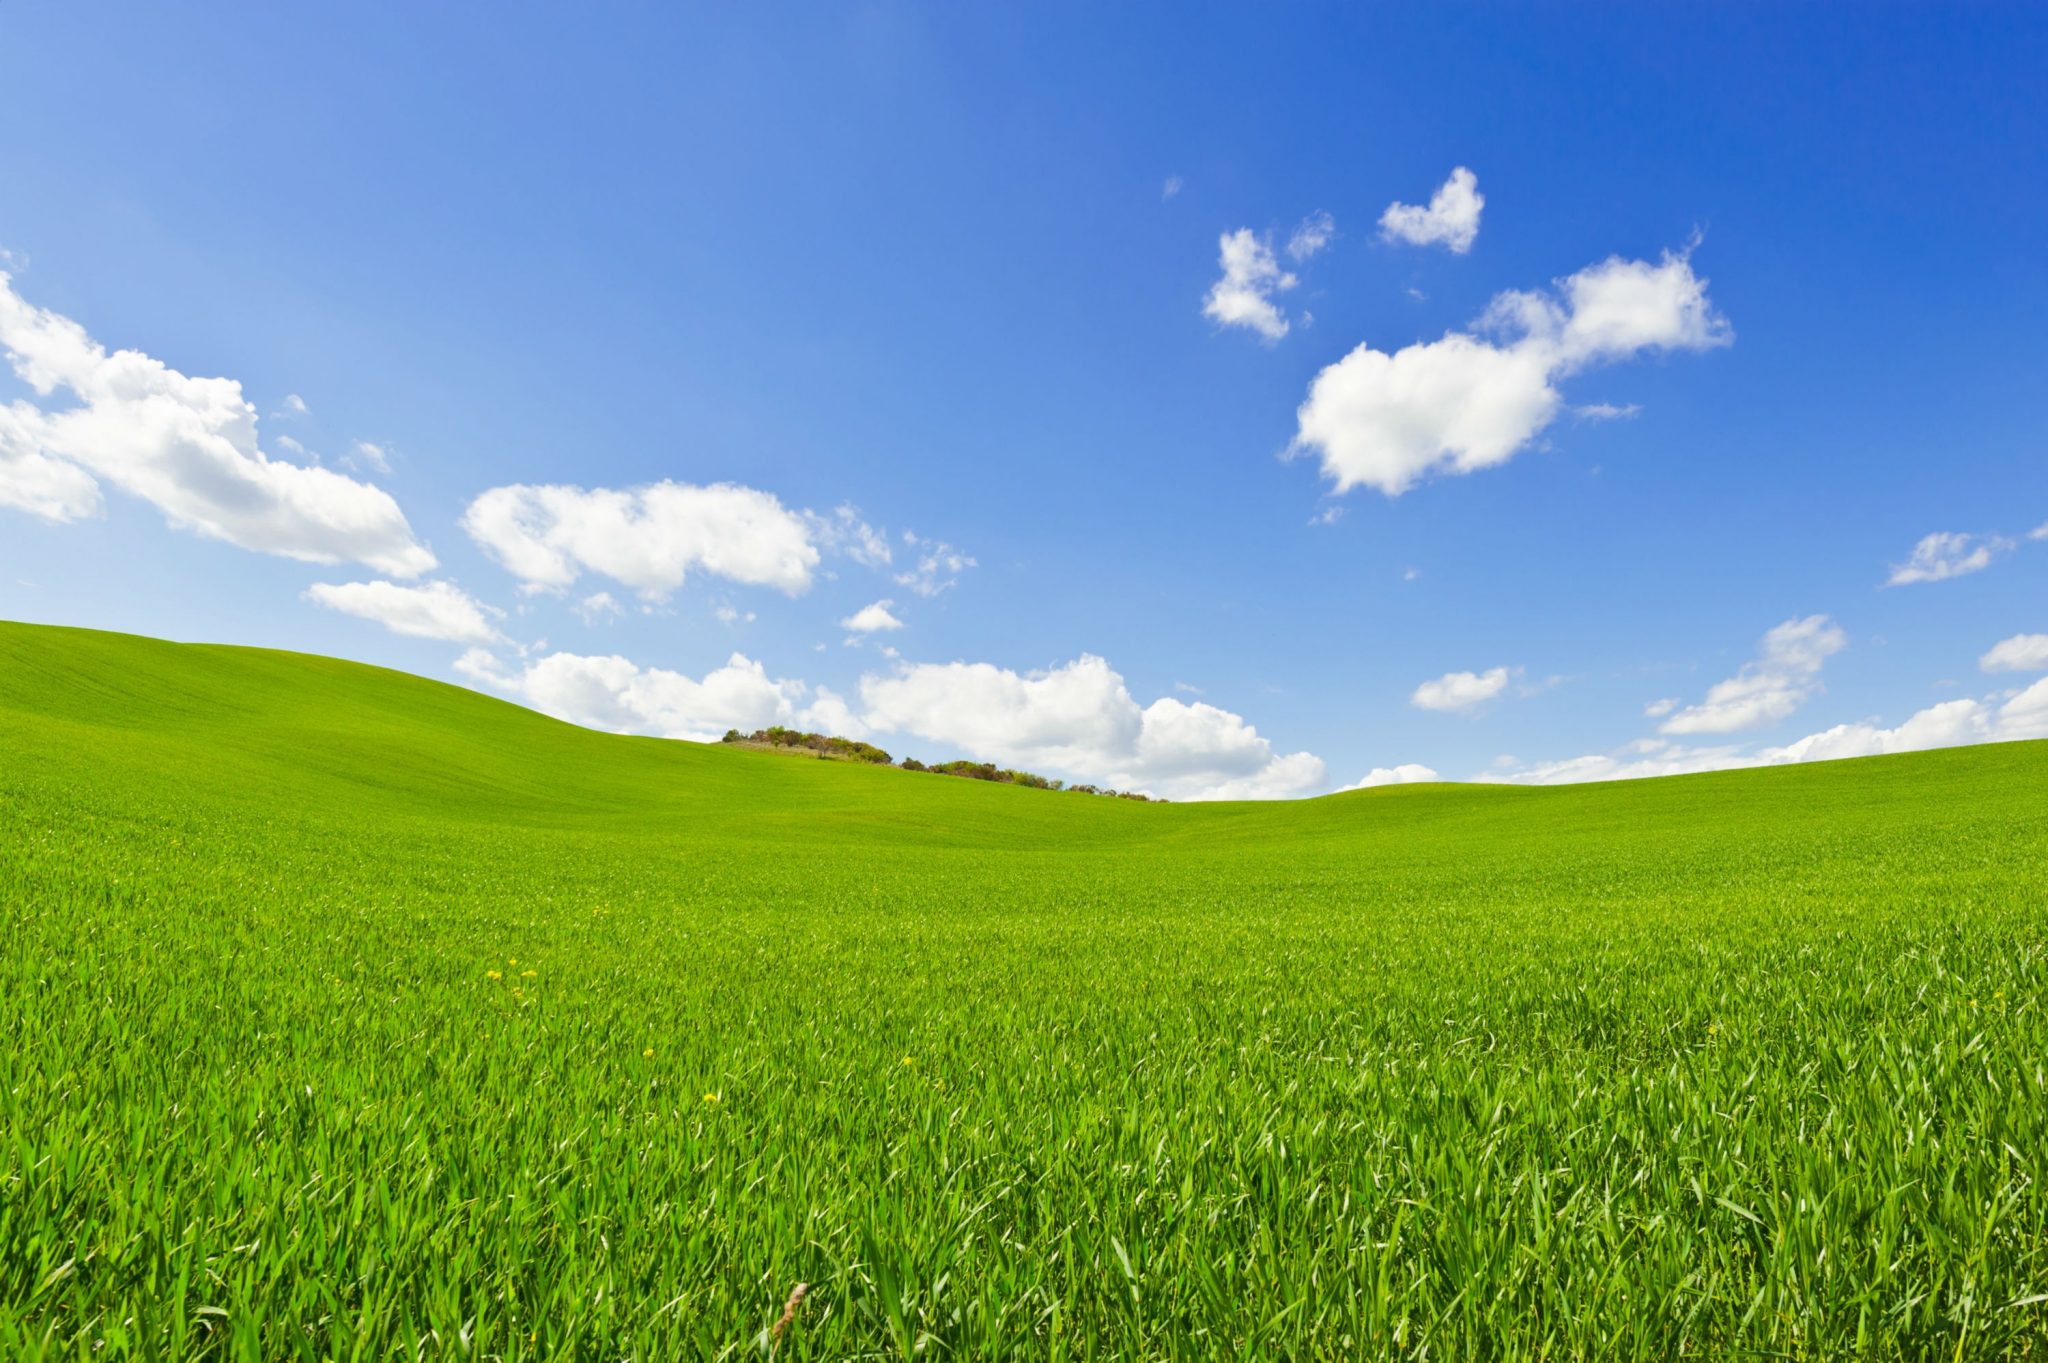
{"x":618,"y":695}
{"x":1951,"y":724}
{"x":186,"y":446}
{"x":1408,"y":773}
{"x":1474,"y":399}
{"x":1079,"y":720}
{"x":1784,"y":675}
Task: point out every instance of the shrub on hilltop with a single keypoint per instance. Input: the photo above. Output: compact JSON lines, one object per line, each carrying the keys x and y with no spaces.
{"x":989,"y":771}
{"x":853,"y":750}
{"x":828,"y":745}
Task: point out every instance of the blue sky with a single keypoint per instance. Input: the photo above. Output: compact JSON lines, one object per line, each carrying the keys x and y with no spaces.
{"x":1747,"y":307}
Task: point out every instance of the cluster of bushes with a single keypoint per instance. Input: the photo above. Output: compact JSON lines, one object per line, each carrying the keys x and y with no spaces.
{"x":855,"y":751}
{"x":989,"y":771}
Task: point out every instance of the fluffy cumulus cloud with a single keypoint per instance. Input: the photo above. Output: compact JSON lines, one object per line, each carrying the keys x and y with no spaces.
{"x":1944,"y":555}
{"x":1243,"y":297}
{"x":2021,"y":653}
{"x":1450,"y":218}
{"x":432,"y":610}
{"x":1785,"y":673}
{"x":1474,"y":399}
{"x":187,"y":446}
{"x":1455,"y":691}
{"x":648,"y":538}
{"x":1080,"y":720}
{"x":872,"y":619}
{"x":619,"y":695}
{"x":1408,"y":773}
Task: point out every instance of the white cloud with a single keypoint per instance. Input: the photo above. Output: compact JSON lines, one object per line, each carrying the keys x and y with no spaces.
{"x":294,"y":405}
{"x":846,"y":533}
{"x":1471,"y":401}
{"x":1782,"y":677}
{"x":1653,"y":758}
{"x":1946,"y":554}
{"x":1997,"y":718}
{"x":432,"y":610}
{"x":2026,"y":714}
{"x":599,"y":606}
{"x":33,"y":481}
{"x":1406,"y":774}
{"x":187,"y":446}
{"x":1243,"y":297}
{"x":1451,"y":217}
{"x":1606,"y":411}
{"x":376,"y":456}
{"x":2021,"y":653}
{"x":1460,"y":690}
{"x":2039,"y":532}
{"x":1657,"y":709}
{"x":1948,"y":724}
{"x":1079,"y":720}
{"x":618,"y":695}
{"x":648,"y":538}
{"x":1951,"y":724}
{"x":1172,"y":188}
{"x":1315,"y":232}
{"x":868,"y":619}
{"x":938,"y":566}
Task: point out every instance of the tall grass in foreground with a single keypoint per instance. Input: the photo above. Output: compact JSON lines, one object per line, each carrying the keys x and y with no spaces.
{"x":348,"y":1016}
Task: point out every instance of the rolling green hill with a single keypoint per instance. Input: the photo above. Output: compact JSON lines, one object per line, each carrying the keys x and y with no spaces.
{"x":355,"y":1015}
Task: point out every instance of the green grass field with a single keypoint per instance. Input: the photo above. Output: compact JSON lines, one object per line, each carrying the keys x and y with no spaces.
{"x":351,"y":1015}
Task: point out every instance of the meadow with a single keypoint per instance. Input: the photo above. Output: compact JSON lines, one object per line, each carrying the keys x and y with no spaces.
{"x":351,"y":1015}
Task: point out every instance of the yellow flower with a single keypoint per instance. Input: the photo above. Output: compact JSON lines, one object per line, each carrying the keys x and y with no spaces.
{"x":513,"y":961}
{"x":647,"y":1054}
{"x":494,"y":974}
{"x":908,"y":1061}
{"x":711,"y":1098}
{"x":528,"y":974}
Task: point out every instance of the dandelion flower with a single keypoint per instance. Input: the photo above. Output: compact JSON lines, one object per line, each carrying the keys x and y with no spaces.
{"x":647,"y":1054}
{"x":908,"y":1061}
{"x":711,"y":1098}
{"x":494,"y":974}
{"x":528,"y":974}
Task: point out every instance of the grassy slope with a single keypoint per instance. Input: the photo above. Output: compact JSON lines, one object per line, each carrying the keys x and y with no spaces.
{"x":1749,"y":1059}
